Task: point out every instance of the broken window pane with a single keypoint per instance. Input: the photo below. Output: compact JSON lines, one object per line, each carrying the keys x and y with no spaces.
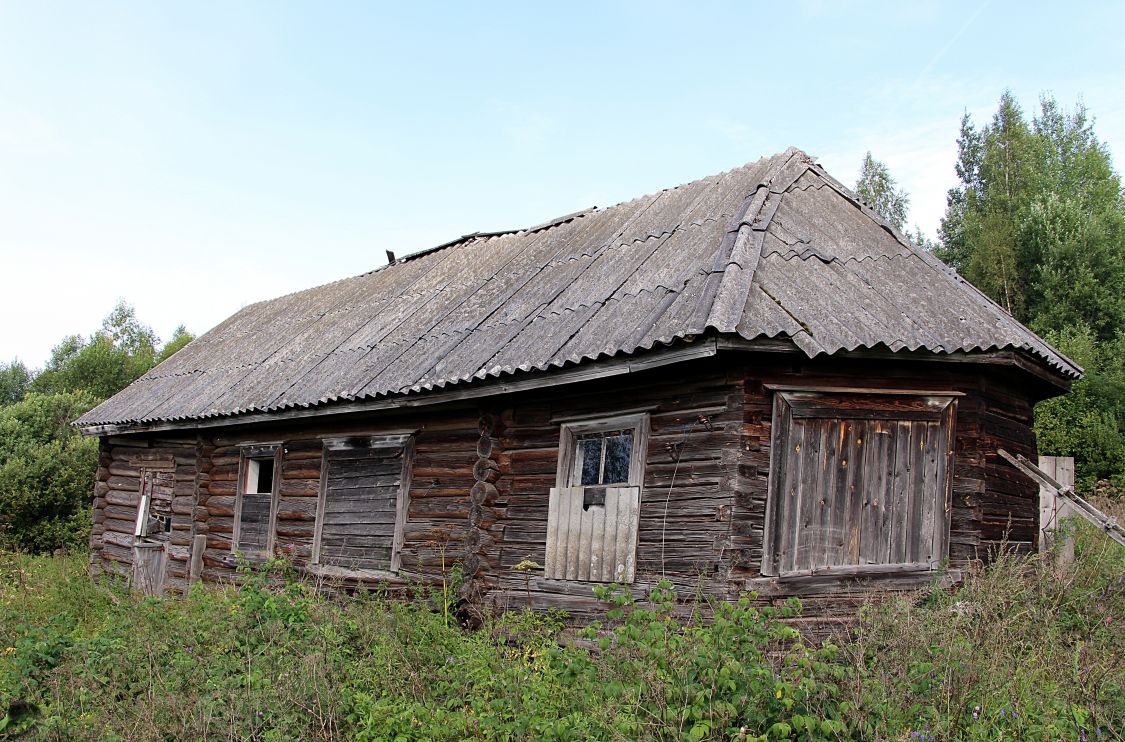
{"x":604,"y":458}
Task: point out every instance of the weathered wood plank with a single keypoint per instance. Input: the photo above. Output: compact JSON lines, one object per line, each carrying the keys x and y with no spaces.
{"x":900,"y":488}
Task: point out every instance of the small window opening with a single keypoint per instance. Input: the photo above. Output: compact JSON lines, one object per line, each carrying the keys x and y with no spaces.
{"x":259,"y":476}
{"x":154,"y":509}
{"x":255,"y":506}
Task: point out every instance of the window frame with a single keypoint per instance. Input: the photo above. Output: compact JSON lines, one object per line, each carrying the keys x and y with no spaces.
{"x":570,"y":431}
{"x":248,"y":453}
{"x":148,"y":474}
{"x":403,"y":441}
{"x":783,"y":407}
{"x":564,"y":545}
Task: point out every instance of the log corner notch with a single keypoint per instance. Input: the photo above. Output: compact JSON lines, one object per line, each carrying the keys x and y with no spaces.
{"x":1105,"y":523}
{"x":482,"y":496}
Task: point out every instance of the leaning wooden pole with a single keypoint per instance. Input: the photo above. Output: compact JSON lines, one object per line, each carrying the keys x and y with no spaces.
{"x":1083,"y":508}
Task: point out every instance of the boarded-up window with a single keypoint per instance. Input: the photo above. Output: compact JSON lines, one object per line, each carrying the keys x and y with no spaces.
{"x":593,"y":513}
{"x":362,"y":512}
{"x":858,"y":482}
{"x":257,"y":495}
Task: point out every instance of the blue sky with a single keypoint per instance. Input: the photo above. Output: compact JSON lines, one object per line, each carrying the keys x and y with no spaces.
{"x":193,"y":158}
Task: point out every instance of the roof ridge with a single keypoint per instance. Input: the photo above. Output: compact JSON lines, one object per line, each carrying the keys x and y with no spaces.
{"x":728,"y":285}
{"x":559,"y":220}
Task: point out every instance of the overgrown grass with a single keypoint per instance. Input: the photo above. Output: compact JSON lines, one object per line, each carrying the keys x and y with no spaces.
{"x":1022,"y":651}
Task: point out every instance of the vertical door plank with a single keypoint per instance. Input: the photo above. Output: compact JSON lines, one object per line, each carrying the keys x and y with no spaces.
{"x":918,"y":435}
{"x":813,"y":479}
{"x":574,"y":531}
{"x":852,"y":522}
{"x":609,"y":539}
{"x":551,"y":566}
{"x":625,"y":549}
{"x":792,"y":451}
{"x":596,"y":560}
{"x":832,"y":436}
{"x":929,"y":494}
{"x":900,"y":491}
{"x":585,"y":541}
{"x":780,"y":488}
{"x":878,"y":463}
{"x":563,"y":529}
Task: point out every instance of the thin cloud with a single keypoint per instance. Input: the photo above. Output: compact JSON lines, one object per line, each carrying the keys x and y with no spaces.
{"x":949,"y":44}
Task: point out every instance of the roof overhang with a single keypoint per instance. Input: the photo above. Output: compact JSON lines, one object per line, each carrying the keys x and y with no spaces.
{"x":687,"y":349}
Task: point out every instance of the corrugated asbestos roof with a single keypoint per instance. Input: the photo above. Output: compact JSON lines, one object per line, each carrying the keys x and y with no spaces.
{"x":774,"y":248}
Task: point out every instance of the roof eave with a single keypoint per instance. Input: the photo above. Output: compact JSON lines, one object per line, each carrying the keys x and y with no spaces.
{"x":685,"y":349}
{"x":1054,"y":382}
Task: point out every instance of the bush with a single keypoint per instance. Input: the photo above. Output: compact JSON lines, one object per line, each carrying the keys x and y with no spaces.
{"x":46,"y":473}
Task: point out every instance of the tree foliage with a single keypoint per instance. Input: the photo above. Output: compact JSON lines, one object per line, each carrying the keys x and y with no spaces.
{"x":1087,"y":422}
{"x":876,"y":187}
{"x":14,"y":380}
{"x":180,"y":338}
{"x":46,"y":472}
{"x":110,"y":359}
{"x":1037,"y":221}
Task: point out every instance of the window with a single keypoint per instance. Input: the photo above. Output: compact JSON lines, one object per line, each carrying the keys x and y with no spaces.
{"x":361,"y":515}
{"x":255,"y":504}
{"x":602,"y":459}
{"x":859,"y":482}
{"x":593,"y":511}
{"x":154,"y":507}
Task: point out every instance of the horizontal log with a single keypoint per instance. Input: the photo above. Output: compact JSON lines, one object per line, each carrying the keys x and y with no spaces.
{"x":306,"y":488}
{"x":127,"y":484}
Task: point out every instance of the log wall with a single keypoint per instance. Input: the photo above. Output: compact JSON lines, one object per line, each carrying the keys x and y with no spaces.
{"x":482,"y":473}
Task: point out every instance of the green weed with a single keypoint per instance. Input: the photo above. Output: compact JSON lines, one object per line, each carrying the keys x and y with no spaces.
{"x":1023,"y":650}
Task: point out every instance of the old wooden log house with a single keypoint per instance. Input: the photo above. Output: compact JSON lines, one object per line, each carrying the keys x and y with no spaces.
{"x":749,"y":382}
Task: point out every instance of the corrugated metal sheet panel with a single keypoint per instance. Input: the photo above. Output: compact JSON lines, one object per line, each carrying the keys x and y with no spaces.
{"x":776,"y":248}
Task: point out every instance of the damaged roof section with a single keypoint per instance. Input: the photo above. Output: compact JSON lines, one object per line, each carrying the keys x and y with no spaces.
{"x":775,"y":248}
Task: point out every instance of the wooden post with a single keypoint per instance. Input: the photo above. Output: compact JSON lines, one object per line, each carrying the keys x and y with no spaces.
{"x":198,"y":544}
{"x":1052,"y":508}
{"x":1075,"y":505}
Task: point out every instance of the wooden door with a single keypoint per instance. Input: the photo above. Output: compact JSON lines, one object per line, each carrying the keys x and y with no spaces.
{"x":149,"y":562}
{"x":858,"y":483}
